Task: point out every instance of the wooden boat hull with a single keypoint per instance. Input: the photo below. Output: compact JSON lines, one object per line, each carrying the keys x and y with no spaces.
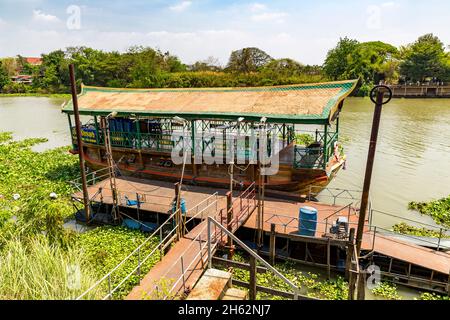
{"x":151,"y":166}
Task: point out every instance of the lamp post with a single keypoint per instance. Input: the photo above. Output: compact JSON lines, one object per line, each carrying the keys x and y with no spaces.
{"x":379,"y":101}
{"x":79,"y":142}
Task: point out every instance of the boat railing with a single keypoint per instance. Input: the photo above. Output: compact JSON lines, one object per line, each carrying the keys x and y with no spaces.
{"x":314,"y":155}
{"x":91,"y":178}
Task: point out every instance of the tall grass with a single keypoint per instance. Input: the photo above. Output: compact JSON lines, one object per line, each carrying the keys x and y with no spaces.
{"x":38,"y":270}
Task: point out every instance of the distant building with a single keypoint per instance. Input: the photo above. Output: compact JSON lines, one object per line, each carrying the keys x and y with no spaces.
{"x":25,"y":79}
{"x":34,"y":61}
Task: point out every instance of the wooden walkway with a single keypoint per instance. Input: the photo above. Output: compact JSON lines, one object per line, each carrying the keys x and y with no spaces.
{"x":186,"y":261}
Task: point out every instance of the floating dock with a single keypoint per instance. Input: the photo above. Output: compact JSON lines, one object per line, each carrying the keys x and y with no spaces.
{"x":187,"y":259}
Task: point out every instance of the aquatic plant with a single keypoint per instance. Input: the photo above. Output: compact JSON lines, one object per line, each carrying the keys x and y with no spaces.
{"x":407,"y":229}
{"x":439,"y":210}
{"x":32,"y":176}
{"x":432,"y":296}
{"x":105,"y":247}
{"x":304,"y":139}
{"x":387,"y":291}
{"x":307,"y":282}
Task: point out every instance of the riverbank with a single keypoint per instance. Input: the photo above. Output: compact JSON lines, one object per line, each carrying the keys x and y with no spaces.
{"x":36,"y":95}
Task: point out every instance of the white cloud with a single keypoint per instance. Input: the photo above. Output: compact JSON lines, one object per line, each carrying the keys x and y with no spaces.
{"x":269,"y":16}
{"x":183,"y":5}
{"x":255,"y":7}
{"x":40,"y":16}
{"x":390,"y":5}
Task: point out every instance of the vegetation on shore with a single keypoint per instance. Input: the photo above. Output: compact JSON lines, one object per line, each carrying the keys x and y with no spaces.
{"x":38,"y":95}
{"x":144,"y":67}
{"x":439,"y":210}
{"x":39,"y":258}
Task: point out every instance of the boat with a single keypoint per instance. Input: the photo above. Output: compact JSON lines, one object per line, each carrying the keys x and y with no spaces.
{"x":203,"y":133}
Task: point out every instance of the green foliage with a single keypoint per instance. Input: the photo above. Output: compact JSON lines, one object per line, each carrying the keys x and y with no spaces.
{"x":425,"y":58}
{"x":37,"y":270}
{"x":304,"y":139}
{"x":105,"y":247}
{"x":404,"y":228}
{"x":439,"y":210}
{"x":4,"y":77}
{"x":432,"y":296}
{"x":34,"y":176}
{"x":368,"y":61}
{"x":337,"y":61}
{"x":248,"y":60}
{"x":387,"y":291}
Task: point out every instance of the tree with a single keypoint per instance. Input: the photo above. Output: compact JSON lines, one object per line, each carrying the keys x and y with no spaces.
{"x":370,"y":61}
{"x":210,"y":64}
{"x":425,"y":58}
{"x":248,"y":60}
{"x":284,"y":67}
{"x":4,"y":77}
{"x":337,"y":61}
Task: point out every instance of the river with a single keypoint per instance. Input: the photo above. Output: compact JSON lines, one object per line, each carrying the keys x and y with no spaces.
{"x":412,"y":161}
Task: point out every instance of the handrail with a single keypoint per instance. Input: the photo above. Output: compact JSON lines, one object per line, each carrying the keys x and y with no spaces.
{"x":410,"y":220}
{"x":131,"y":254}
{"x":249,"y":251}
{"x":208,"y":205}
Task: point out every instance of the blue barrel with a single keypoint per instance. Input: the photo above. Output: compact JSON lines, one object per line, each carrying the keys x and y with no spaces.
{"x":307,"y":221}
{"x":182,"y":206}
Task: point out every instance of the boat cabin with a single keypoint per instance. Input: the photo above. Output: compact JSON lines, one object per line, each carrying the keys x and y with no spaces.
{"x":153,"y":132}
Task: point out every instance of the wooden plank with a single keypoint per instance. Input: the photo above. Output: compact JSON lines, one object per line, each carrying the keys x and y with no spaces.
{"x":271,"y":291}
{"x":236,"y":264}
{"x":252,"y":288}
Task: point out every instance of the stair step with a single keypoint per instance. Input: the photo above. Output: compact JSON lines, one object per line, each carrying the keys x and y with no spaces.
{"x":235,"y":294}
{"x":211,"y":286}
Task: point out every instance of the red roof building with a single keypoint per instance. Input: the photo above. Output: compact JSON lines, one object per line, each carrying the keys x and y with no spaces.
{"x":34,"y":61}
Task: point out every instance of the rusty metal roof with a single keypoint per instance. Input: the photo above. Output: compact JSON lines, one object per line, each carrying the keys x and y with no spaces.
{"x":303,"y":103}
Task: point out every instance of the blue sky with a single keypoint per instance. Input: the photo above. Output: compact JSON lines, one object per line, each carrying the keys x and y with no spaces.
{"x":196,"y":29}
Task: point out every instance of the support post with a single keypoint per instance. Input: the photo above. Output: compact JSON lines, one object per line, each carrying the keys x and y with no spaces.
{"x":325,"y":147}
{"x":252,"y":287}
{"x":178,"y":215}
{"x":328,"y":258}
{"x":229,"y":224}
{"x":79,"y":142}
{"x":272,"y":244}
{"x":362,"y":285}
{"x":350,"y":244}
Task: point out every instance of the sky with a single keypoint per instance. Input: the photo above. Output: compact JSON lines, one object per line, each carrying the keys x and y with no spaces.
{"x":194,"y":30}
